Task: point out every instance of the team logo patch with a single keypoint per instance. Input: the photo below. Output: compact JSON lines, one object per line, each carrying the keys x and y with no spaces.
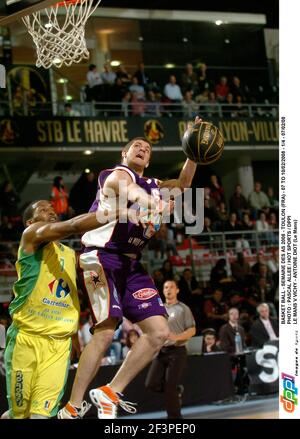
{"x":144,"y":305}
{"x":59,"y":288}
{"x":144,"y":294}
{"x":96,"y":279}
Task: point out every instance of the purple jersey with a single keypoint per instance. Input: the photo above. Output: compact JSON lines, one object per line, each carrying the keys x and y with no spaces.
{"x":126,"y":238}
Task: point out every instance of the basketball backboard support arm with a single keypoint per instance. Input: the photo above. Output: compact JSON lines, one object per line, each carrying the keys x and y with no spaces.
{"x":12,"y":10}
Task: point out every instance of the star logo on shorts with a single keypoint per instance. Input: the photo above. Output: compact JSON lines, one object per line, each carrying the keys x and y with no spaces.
{"x":96,"y":279}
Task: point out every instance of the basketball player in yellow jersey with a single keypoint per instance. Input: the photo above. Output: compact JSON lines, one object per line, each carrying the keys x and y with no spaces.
{"x":45,"y":313}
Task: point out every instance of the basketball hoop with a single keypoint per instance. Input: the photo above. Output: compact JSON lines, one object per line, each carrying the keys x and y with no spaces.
{"x":60,"y":42}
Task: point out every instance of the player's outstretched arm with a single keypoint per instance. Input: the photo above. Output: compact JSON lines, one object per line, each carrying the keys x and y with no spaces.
{"x":40,"y":232}
{"x":186,"y":176}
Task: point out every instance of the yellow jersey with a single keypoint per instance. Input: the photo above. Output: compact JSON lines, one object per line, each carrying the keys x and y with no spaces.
{"x":46,"y":300}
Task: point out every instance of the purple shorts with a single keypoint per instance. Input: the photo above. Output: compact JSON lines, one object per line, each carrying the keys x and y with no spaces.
{"x":118,"y":286}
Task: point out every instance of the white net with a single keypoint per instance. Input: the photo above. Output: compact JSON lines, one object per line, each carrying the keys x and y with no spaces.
{"x":60,"y":38}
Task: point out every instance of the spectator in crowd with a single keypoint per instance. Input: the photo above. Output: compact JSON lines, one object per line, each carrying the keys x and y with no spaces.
{"x":189,"y":106}
{"x":125,"y":106}
{"x":69,"y":111}
{"x":215,"y":310}
{"x":241,"y":270}
{"x":237,"y":89}
{"x":82,"y":194}
{"x":167,"y":270}
{"x":240,"y":109}
{"x":122,"y":74}
{"x":138,"y":89}
{"x":216,"y":190}
{"x":209,"y":341}
{"x":212,"y":109}
{"x":207,"y":225}
{"x":260,"y":260}
{"x":238,"y":202}
{"x":265,"y":328}
{"x":153,"y":107}
{"x":223,"y":216}
{"x":118,"y":90}
{"x":222,"y":89}
{"x":172,"y":90}
{"x":274,"y":203}
{"x":258,"y":200}
{"x":189,"y":79}
{"x":203,"y":81}
{"x":247,"y":224}
{"x":137,"y":105}
{"x":229,"y":111}
{"x":142,"y":76}
{"x":264,"y":284}
{"x":232,"y":226}
{"x":132,"y":337}
{"x":273,"y":225}
{"x":209,"y":211}
{"x":108,"y":76}
{"x":94,"y":84}
{"x":188,"y":286}
{"x":9,"y":200}
{"x":265,"y":235}
{"x":218,"y":273}
{"x":59,"y":198}
{"x":229,"y":330}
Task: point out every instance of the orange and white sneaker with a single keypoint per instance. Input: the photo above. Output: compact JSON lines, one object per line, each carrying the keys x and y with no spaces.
{"x":71,"y":412}
{"x":107,"y":402}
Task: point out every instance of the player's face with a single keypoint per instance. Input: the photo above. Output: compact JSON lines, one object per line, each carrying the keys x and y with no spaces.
{"x":43,"y":211}
{"x":170,"y":290}
{"x":139,"y":154}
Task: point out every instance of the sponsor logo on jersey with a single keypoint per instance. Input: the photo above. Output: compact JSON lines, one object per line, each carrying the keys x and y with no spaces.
{"x":144,"y":305}
{"x":144,"y":294}
{"x":47,"y":405}
{"x":59,"y":288}
{"x":116,"y":306}
{"x":97,"y":280}
{"x":19,"y":388}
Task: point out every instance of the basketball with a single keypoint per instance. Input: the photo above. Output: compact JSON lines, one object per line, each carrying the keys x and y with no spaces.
{"x":203,"y":143}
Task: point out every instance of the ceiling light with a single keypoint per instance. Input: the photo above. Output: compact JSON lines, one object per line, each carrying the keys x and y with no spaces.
{"x":185,"y":40}
{"x":169,"y":66}
{"x":115,"y":63}
{"x":68,"y":98}
{"x":218,"y":22}
{"x":227,"y":41}
{"x":141,"y":39}
{"x":87,"y":170}
{"x":88,"y":152}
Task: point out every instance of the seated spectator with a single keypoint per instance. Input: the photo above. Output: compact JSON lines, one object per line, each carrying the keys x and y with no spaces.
{"x":137,"y":89}
{"x":189,"y":79}
{"x":189,"y":106}
{"x":223,"y":216}
{"x":215,"y":310}
{"x":188,"y":286}
{"x":265,"y":328}
{"x":122,"y":74}
{"x":209,"y":341}
{"x":240,"y":269}
{"x":9,"y":200}
{"x":232,"y":226}
{"x":153,"y":104}
{"x":237,"y":90}
{"x":273,"y":223}
{"x":167,"y":270}
{"x":216,"y":190}
{"x":274,"y":203}
{"x":247,"y":224}
{"x":203,"y":80}
{"x":222,"y":89}
{"x":218,"y":273}
{"x":212,"y":108}
{"x":229,"y":110}
{"x":240,"y":109}
{"x":94,"y":81}
{"x":207,"y":225}
{"x":69,"y":112}
{"x":258,"y":200}
{"x":265,"y":234}
{"x":260,"y":261}
{"x":131,"y":338}
{"x":118,"y":90}
{"x":242,"y":245}
{"x":108,"y":76}
{"x":209,"y":210}
{"x":229,"y":330}
{"x":172,"y":90}
{"x":238,"y":202}
{"x":264,"y":286}
{"x":142,"y":76}
{"x":137,"y":105}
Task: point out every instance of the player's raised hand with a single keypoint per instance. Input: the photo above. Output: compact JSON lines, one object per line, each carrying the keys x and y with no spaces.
{"x":196,"y":121}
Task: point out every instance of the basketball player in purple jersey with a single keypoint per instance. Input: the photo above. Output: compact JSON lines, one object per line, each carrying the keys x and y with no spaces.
{"x":116,"y":283}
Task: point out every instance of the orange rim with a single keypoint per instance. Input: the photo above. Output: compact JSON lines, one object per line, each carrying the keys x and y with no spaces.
{"x":60,"y":4}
